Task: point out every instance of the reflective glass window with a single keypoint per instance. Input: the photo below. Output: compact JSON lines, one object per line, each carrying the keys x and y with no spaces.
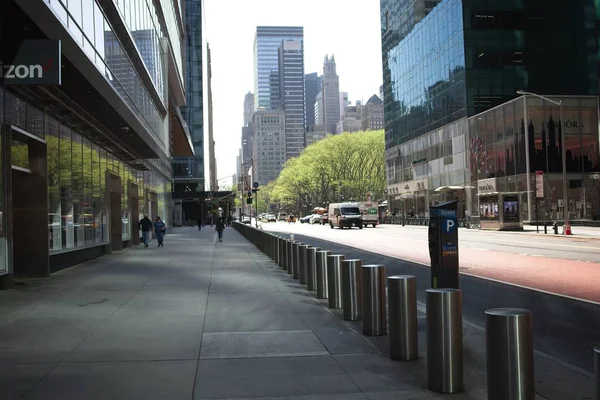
{"x":66,"y":190}
{"x":54,"y":202}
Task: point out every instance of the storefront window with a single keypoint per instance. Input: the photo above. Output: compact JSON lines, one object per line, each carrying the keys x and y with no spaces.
{"x":66,"y":190}
{"x":87,"y":203}
{"x":77,"y":185}
{"x":54,"y":203}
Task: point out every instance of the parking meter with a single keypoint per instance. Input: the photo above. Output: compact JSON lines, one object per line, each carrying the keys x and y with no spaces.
{"x":443,"y":245}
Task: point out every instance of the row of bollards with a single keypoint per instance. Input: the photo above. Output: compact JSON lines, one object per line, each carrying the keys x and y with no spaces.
{"x":360,"y":290}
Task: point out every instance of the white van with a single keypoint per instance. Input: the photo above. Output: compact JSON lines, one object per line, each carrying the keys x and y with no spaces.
{"x":345,"y":215}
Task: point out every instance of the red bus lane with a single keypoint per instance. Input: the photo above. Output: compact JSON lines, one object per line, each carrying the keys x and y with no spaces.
{"x":576,"y":279}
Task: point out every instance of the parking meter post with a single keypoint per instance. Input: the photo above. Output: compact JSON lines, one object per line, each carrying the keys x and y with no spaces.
{"x":443,"y":245}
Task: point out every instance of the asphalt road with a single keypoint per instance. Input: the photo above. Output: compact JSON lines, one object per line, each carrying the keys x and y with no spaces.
{"x":565,"y":328}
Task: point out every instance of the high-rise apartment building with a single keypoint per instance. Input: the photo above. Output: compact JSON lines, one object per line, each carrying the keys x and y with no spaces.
{"x":188,"y":172}
{"x":320,"y":110}
{"x":269,"y":145}
{"x":312,"y":84}
{"x":87,"y":147}
{"x":291,"y":86}
{"x":266,"y":62}
{"x":331,"y":95}
{"x":452,"y":117}
{"x":248,"y":108}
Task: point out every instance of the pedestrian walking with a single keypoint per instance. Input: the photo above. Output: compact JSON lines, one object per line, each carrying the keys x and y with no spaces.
{"x":159,"y":230}
{"x":199,"y":222}
{"x":220,"y":228}
{"x":145,"y":225}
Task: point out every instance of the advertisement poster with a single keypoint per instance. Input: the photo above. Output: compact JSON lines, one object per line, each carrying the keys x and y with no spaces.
{"x":488,"y":208}
{"x":511,"y":209}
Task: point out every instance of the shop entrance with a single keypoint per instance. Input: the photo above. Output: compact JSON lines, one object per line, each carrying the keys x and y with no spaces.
{"x":27,"y":198}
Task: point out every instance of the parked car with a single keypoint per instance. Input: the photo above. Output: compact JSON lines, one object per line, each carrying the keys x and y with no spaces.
{"x":316,"y":219}
{"x":282,"y":217}
{"x":324,"y":219}
{"x":305,"y":219}
{"x":246,"y":220}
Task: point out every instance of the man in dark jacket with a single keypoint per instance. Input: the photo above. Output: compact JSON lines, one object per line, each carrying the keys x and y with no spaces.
{"x":146,"y":226}
{"x":220,"y":228}
{"x":199,"y":222}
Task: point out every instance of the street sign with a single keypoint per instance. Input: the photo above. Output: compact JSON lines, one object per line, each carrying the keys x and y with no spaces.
{"x":539,"y":184}
{"x":255,"y":185}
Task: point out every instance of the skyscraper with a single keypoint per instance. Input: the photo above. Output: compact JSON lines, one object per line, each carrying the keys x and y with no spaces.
{"x":269,"y":145}
{"x":331,"y":95}
{"x":291,"y":88}
{"x":248,"y":108}
{"x":312,"y":84}
{"x":266,"y":62}
{"x":189,"y":171}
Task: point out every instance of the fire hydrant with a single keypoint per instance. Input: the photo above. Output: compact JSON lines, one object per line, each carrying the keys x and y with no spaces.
{"x":555,"y":228}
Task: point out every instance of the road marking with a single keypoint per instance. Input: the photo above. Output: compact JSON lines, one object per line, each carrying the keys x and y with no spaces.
{"x":545,"y":244}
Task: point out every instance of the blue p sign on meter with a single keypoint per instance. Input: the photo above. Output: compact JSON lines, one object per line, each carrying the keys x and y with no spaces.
{"x":449,"y":225}
{"x":255,"y":185}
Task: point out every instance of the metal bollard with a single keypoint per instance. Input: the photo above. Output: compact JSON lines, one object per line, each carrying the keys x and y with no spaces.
{"x":290,"y":252}
{"x":302,"y":263}
{"x":334,"y":280}
{"x":280,"y":251}
{"x":296,"y":258}
{"x":284,"y":246}
{"x":322,"y":287}
{"x":444,"y":340}
{"x":509,"y":348}
{"x":597,"y":370}
{"x":402,"y":314}
{"x":311,"y":268}
{"x":373,"y":300}
{"x":351,"y":289}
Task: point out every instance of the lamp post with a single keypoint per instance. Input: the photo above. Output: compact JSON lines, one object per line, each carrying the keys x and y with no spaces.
{"x":564,"y":152}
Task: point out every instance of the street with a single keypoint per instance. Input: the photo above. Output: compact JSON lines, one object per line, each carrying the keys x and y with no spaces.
{"x":544,"y":274}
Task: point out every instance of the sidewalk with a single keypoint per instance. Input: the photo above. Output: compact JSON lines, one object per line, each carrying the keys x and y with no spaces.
{"x":199,"y":319}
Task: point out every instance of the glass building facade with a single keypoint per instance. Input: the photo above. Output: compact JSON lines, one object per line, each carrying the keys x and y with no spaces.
{"x":188,"y":172}
{"x":447,"y":61}
{"x":83,"y":160}
{"x":266,"y":63}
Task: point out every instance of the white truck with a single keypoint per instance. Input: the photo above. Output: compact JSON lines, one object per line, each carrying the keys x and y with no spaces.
{"x":370,"y":213}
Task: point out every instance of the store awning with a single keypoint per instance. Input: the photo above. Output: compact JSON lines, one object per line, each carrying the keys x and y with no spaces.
{"x":446,"y":189}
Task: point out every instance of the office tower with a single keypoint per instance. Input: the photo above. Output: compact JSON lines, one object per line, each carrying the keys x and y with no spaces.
{"x":452,"y":118}
{"x":331,"y":95}
{"x":291,"y":86}
{"x":107,"y":109}
{"x":266,"y":62}
{"x":312,"y":83}
{"x":213,"y":184}
{"x":248,"y":108}
{"x":247,"y":147}
{"x":320,"y":110}
{"x":188,"y":172}
{"x":269,"y":145}
{"x":372,"y":114}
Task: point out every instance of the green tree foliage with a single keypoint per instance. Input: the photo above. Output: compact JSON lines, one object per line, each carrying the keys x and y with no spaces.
{"x":348,"y":166}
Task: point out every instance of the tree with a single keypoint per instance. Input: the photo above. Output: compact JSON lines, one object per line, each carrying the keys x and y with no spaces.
{"x":340,"y":167}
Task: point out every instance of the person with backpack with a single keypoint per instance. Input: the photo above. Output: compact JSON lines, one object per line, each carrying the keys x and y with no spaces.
{"x":220,"y":228}
{"x":159,"y":230}
{"x":145,"y":225}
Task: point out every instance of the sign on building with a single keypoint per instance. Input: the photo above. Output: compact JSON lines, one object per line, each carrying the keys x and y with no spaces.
{"x":32,"y":62}
{"x":539,"y":184}
{"x":485,"y":186}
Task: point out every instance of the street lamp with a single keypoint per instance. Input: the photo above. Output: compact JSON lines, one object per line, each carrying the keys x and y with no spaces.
{"x":564,"y":152}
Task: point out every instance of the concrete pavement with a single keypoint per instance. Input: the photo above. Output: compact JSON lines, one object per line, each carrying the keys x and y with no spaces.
{"x":199,"y":319}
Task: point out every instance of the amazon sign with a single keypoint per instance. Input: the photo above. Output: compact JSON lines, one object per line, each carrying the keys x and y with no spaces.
{"x":33,"y":62}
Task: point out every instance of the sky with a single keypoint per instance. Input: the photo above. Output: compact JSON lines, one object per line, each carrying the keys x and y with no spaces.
{"x":348,"y":29}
